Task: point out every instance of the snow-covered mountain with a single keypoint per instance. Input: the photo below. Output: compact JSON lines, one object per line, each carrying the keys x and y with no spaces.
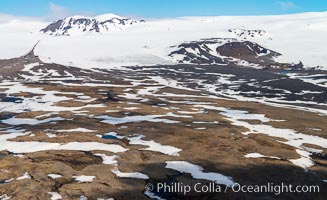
{"x":246,"y":34}
{"x":79,"y":24}
{"x":128,"y":42}
{"x":226,"y":51}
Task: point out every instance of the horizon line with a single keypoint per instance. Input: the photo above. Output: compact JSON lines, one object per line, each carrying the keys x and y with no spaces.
{"x":44,"y":18}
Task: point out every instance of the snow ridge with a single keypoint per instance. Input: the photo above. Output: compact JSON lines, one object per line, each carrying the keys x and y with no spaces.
{"x":77,"y":25}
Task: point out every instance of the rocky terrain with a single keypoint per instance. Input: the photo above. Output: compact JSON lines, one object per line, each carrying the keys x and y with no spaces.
{"x":110,"y":107}
{"x":80,"y":24}
{"x":247,"y":34}
{"x":228,"y":51}
{"x":71,"y":133}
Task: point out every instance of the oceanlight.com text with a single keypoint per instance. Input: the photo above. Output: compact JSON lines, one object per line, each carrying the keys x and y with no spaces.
{"x":276,"y":189}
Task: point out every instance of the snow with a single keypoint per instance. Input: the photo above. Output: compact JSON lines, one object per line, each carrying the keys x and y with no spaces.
{"x":105,"y":199}
{"x":133,"y":119}
{"x":29,"y":121}
{"x":305,"y":160}
{"x":258,"y":155}
{"x":19,"y":36}
{"x":54,"y":176}
{"x":55,"y":196}
{"x":154,"y":146}
{"x":198,"y":122}
{"x":84,"y":130}
{"x":317,"y":79}
{"x":275,"y":102}
{"x":152,"y":195}
{"x":82,"y":197}
{"x":136,"y":175}
{"x":89,"y":146}
{"x":4,"y":197}
{"x":34,"y":146}
{"x":9,"y":180}
{"x":108,"y":160}
{"x":27,"y":68}
{"x":45,"y":74}
{"x":197,"y":172}
{"x":82,"y":25}
{"x":314,"y":129}
{"x":50,"y":135}
{"x":44,"y":101}
{"x":131,"y":108}
{"x":297,"y":37}
{"x":292,"y":137}
{"x":25,"y":176}
{"x":107,"y":16}
{"x":84,"y":179}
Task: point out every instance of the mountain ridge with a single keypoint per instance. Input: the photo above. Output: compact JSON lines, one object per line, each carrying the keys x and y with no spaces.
{"x":78,"y":24}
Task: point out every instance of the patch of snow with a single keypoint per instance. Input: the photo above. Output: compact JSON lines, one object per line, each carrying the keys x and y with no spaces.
{"x":29,"y":147}
{"x":50,"y":135}
{"x":294,"y":138}
{"x":258,"y":155}
{"x":4,"y":197}
{"x":305,"y":160}
{"x":198,"y":122}
{"x":136,"y":175}
{"x":54,"y":176}
{"x":85,"y":130}
{"x":132,"y":119}
{"x":152,"y":195}
{"x":108,"y":160}
{"x":55,"y":196}
{"x":197,"y":172}
{"x":84,"y":179}
{"x":317,"y":79}
{"x":82,"y":197}
{"x":25,"y":176}
{"x":154,"y":146}
{"x":29,"y":121}
{"x":44,"y":101}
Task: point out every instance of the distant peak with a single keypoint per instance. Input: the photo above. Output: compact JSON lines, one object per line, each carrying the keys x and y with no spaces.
{"x":78,"y":17}
{"x":107,"y":16}
{"x":102,"y":17}
{"x":78,"y":24}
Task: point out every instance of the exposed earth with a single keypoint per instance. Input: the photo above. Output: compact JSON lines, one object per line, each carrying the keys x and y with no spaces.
{"x":67,"y":133}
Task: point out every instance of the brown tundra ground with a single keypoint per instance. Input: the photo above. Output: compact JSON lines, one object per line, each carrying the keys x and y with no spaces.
{"x":67,"y":133}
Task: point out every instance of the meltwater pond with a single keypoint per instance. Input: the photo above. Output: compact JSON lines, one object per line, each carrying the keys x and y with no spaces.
{"x":112,"y":137}
{"x":10,"y":99}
